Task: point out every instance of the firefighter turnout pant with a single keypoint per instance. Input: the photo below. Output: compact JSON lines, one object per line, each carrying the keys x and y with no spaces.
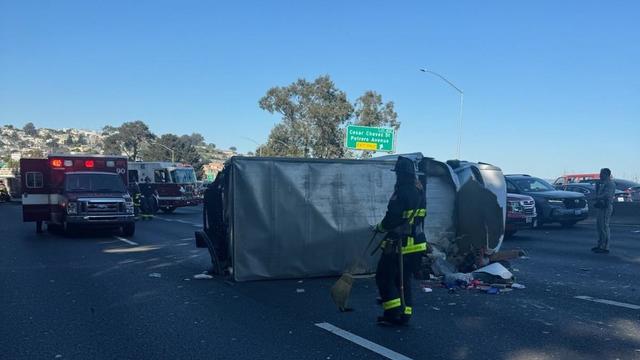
{"x":388,"y":281}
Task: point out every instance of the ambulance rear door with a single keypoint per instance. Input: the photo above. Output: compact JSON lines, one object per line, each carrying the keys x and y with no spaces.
{"x":34,"y":174}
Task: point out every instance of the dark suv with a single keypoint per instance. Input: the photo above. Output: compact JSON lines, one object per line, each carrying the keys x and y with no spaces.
{"x":553,"y":206}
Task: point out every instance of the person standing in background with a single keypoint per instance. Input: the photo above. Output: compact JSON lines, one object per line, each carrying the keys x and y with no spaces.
{"x":605,"y":190}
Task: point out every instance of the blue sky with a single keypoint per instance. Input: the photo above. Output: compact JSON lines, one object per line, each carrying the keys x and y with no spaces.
{"x":549,"y":86}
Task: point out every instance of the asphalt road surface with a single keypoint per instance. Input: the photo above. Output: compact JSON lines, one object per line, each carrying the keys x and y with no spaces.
{"x":97,"y":296}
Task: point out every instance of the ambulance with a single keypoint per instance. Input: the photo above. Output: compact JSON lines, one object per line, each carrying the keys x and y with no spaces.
{"x":73,"y":191}
{"x":175,"y":184}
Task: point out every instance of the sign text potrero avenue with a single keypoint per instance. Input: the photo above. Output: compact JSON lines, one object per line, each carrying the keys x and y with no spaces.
{"x":370,"y":138}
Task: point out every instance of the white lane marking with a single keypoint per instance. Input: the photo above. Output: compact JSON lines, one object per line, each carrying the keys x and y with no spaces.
{"x":609,"y":302}
{"x":180,"y":221}
{"x":378,"y":349}
{"x":126,"y":240}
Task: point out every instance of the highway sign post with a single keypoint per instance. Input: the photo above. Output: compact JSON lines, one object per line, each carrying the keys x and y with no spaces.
{"x":370,"y":138}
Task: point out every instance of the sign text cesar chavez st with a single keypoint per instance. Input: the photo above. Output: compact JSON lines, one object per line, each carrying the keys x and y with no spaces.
{"x":370,"y":138}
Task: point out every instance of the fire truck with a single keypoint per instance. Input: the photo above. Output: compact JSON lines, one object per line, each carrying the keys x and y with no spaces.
{"x":71,"y":191}
{"x":174,"y":183}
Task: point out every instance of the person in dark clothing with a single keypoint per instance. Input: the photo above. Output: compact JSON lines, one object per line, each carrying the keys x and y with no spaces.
{"x":136,"y":196}
{"x":605,"y":190}
{"x":403,"y":245}
{"x":147,"y":200}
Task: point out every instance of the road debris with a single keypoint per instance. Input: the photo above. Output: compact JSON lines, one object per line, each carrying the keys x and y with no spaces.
{"x":518,"y":286}
{"x":427,"y":289}
{"x":299,"y":291}
{"x":202,"y":276}
{"x":155,"y":275}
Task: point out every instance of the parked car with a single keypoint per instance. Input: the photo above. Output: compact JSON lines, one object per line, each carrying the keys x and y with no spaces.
{"x":589,"y":191}
{"x":521,"y":214}
{"x":631,"y":188}
{"x":552,"y":206}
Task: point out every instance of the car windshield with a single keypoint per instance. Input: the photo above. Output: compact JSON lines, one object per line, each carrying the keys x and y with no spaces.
{"x":94,"y":183}
{"x":183,"y":176}
{"x":533,"y":185}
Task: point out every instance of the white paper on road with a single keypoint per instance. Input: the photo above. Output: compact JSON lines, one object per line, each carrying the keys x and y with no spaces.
{"x":496,"y":269}
{"x":202,"y":276}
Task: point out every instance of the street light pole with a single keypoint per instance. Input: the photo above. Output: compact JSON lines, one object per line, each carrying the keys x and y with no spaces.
{"x":173,"y":153}
{"x":461,"y":105}
{"x":259,"y":148}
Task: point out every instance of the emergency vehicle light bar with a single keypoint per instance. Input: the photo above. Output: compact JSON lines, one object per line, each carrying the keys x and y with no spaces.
{"x":89,"y":163}
{"x":56,"y":163}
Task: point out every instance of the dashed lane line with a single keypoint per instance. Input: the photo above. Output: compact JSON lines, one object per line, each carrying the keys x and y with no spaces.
{"x":609,"y":302}
{"x":371,"y":346}
{"x":126,"y":241}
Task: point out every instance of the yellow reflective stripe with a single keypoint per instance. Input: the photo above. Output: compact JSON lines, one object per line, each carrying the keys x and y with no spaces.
{"x":408,"y":310}
{"x":391,"y":304}
{"x":409,"y":249}
{"x":419,"y":213}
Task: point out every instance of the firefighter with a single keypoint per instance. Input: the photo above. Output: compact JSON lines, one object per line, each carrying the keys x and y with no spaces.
{"x":403,"y":245}
{"x":147,"y":200}
{"x":134,"y":191}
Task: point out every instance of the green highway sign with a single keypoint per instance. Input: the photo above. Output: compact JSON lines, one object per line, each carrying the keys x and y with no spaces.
{"x":370,"y":138}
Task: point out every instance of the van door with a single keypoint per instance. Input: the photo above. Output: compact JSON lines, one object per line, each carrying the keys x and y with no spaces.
{"x":34,"y":174}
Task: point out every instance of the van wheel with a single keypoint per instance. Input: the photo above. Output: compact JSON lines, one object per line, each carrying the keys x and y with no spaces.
{"x":129,"y":229}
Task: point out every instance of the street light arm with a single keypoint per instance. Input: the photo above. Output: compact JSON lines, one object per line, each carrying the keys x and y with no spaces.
{"x":443,"y":79}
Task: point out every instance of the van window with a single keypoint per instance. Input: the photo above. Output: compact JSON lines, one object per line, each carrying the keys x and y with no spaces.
{"x":34,"y":180}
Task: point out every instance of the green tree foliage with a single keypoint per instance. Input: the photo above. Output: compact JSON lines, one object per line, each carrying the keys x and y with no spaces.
{"x":69,"y":140}
{"x":313,"y":119}
{"x":184,"y":149}
{"x":82,"y":140}
{"x":128,"y":138}
{"x":30,"y":129}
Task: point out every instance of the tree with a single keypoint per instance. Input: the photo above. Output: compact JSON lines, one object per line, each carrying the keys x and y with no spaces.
{"x":183,"y":148}
{"x":313,"y":115}
{"x":30,"y":129}
{"x":128,"y":138}
{"x":69,"y":140}
{"x":371,"y":111}
{"x":233,"y":148}
{"x":82,"y":140}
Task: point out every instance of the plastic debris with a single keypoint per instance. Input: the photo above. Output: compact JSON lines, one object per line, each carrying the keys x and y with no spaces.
{"x":58,"y":356}
{"x":493,"y":291}
{"x":299,"y":291}
{"x":155,"y":275}
{"x":202,"y":276}
{"x":496,"y":269}
{"x":427,"y":289}
{"x":518,"y":286}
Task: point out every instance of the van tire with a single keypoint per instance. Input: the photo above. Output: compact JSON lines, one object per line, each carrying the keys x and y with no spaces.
{"x":129,"y":229}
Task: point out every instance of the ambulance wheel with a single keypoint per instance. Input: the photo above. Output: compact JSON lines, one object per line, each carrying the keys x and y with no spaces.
{"x":129,"y":229}
{"x":168,"y":210}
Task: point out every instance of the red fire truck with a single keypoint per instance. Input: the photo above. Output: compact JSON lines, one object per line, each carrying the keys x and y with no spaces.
{"x":69,"y":191}
{"x":174,"y":183}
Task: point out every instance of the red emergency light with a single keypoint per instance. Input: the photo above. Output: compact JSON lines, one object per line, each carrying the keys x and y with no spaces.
{"x":56,"y":163}
{"x":89,"y":163}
